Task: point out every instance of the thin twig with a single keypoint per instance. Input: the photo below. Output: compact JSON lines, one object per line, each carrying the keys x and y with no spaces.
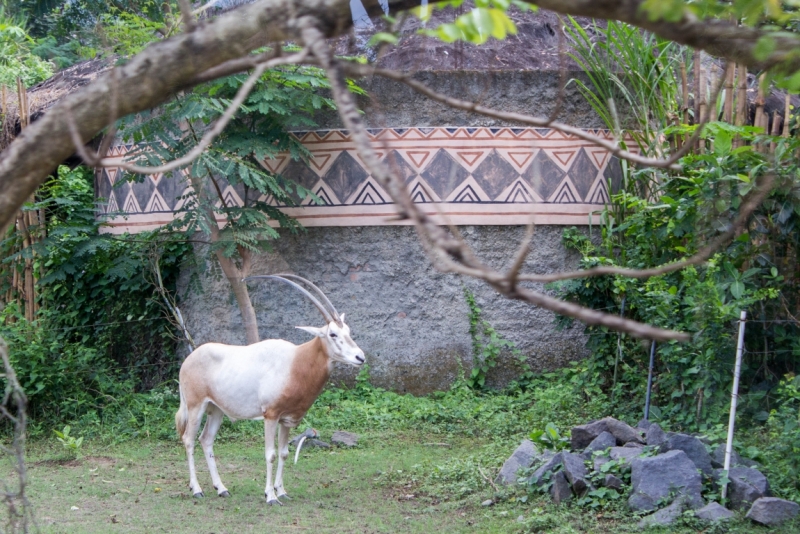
{"x":613,"y":146}
{"x":754,"y":199}
{"x":207,"y":138}
{"x":449,"y":253}
{"x":186,"y":15}
{"x":488,"y":479}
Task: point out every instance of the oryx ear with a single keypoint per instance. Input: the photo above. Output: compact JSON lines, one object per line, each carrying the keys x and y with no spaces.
{"x":319,"y":332}
{"x":341,"y":317}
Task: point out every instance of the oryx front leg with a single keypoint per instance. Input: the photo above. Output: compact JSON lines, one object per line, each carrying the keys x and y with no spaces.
{"x":283,"y":453}
{"x":213,"y":422}
{"x":269,"y":437}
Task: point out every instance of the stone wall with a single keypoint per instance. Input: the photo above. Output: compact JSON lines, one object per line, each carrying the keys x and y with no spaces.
{"x":411,"y":321}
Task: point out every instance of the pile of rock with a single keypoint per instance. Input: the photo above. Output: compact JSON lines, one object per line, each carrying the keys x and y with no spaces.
{"x":666,"y":472}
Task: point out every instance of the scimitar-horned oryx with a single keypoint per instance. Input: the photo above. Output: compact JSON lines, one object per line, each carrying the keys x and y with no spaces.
{"x":273,"y":380}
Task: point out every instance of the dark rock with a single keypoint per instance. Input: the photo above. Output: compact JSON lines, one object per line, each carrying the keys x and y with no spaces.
{"x":317,"y":443}
{"x":603,"y":441}
{"x":714,"y":511}
{"x":665,"y":516}
{"x":560,"y":491}
{"x":344,"y":439}
{"x":612,"y":482}
{"x":693,"y":448}
{"x":521,"y":458}
{"x":633,"y":445}
{"x":655,"y":436}
{"x":575,"y":470}
{"x":623,"y":431}
{"x":624,"y":454}
{"x":718,"y":458}
{"x":644,"y":424}
{"x":583,"y":435}
{"x":654,"y":478}
{"x":538,"y":476}
{"x":772,"y":511}
{"x":599,"y":461}
{"x":745,"y":485}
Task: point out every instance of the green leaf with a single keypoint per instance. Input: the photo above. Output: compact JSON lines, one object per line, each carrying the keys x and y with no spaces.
{"x":382,"y":37}
{"x":764,"y":47}
{"x":737,"y":289}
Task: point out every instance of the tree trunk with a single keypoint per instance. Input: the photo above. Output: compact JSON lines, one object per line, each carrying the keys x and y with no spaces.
{"x":235,"y":276}
{"x":232,"y":272}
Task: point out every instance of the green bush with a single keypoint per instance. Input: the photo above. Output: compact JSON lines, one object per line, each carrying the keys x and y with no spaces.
{"x":756,"y":272}
{"x":780,"y":442}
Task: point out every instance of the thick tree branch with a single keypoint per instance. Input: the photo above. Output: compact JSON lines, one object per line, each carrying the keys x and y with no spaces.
{"x":720,"y":38}
{"x":208,"y":136}
{"x":177,"y":63}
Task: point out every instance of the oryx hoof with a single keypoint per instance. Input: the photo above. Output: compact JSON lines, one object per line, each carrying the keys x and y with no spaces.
{"x":284,"y":496}
{"x":225,"y":494}
{"x":198,"y":495}
{"x":274,"y":502}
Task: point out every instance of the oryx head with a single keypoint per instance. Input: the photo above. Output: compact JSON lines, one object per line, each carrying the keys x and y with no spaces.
{"x":336,"y":334}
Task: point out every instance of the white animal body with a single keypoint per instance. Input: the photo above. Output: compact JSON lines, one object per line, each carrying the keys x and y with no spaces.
{"x":273,"y":380}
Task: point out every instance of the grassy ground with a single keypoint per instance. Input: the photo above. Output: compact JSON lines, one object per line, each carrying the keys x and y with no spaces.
{"x":142,"y":487}
{"x":393,"y":482}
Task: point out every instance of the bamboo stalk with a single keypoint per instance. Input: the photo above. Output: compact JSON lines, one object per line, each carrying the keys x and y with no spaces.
{"x":787,"y":109}
{"x":761,"y":99}
{"x":727,"y":110}
{"x":685,"y":93}
{"x":776,"y":128}
{"x":761,"y":120}
{"x":701,"y":96}
{"x":698,"y":86}
{"x":742,"y":109}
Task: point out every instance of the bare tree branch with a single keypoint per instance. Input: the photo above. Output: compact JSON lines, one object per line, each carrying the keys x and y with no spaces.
{"x":753,"y":201}
{"x":208,"y":136}
{"x":13,"y":408}
{"x":613,"y":146}
{"x":452,"y":253}
{"x":176,"y":64}
{"x":186,"y":15}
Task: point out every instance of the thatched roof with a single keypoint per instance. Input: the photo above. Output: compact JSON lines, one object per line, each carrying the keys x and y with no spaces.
{"x":43,"y":95}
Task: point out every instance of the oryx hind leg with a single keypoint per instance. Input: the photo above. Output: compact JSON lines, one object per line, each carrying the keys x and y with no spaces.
{"x":213,"y":422}
{"x":195,"y":415}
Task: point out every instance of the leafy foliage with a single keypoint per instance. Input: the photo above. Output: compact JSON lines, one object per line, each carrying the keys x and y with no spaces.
{"x":99,"y":333}
{"x":691,"y":387}
{"x":283,"y":99}
{"x":630,"y":71}
{"x":487,"y":345}
{"x":781,"y":439}
{"x":549,"y":438}
{"x":16,"y":57}
{"x":487,"y":19}
{"x":70,"y":443}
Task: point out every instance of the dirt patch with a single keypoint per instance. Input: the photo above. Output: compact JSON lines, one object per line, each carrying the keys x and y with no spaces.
{"x":534,"y":47}
{"x":93,"y":461}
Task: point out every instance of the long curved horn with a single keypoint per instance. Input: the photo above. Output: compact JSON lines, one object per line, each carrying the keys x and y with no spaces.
{"x":325,"y":313}
{"x":325,"y":299}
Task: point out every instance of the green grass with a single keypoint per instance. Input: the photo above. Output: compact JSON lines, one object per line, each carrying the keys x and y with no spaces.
{"x":142,"y":487}
{"x":393,"y":482}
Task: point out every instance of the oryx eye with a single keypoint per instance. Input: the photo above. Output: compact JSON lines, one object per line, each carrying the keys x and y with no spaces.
{"x":332,"y":334}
